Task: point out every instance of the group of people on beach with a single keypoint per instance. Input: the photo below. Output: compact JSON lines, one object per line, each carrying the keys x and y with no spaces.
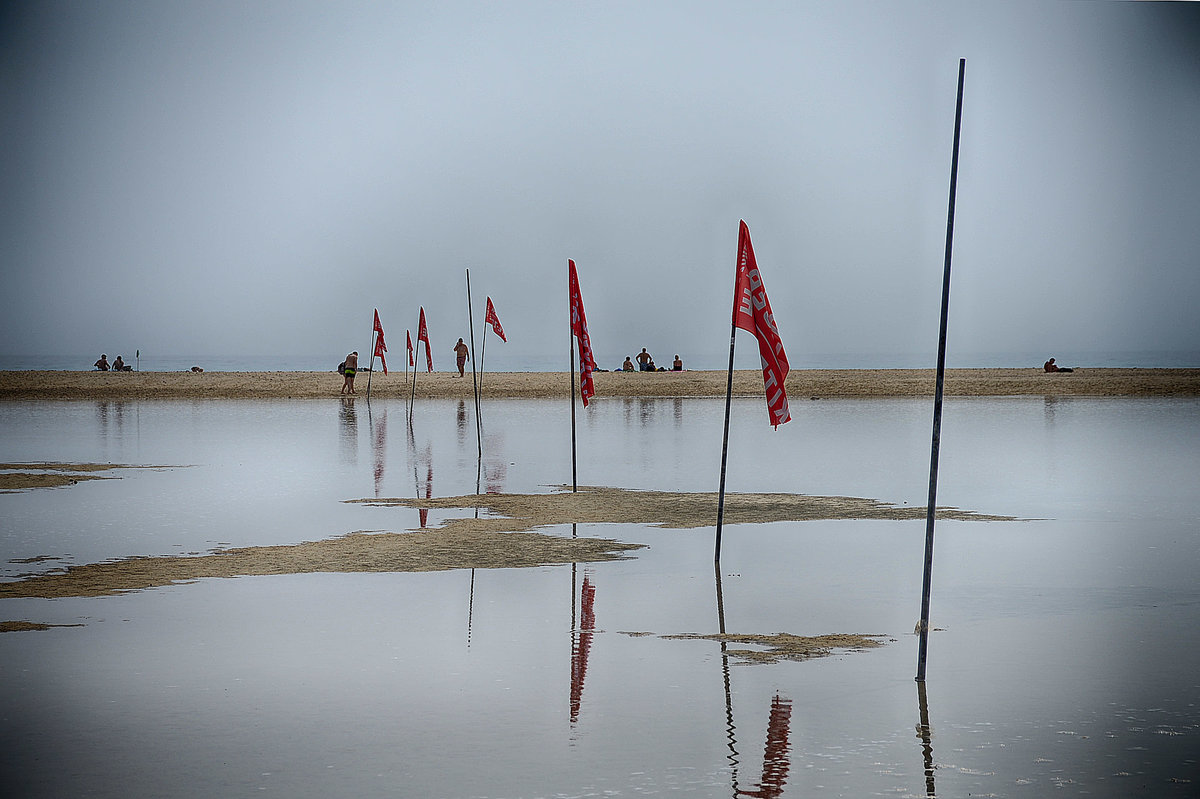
{"x":645,"y":363}
{"x":118,"y":365}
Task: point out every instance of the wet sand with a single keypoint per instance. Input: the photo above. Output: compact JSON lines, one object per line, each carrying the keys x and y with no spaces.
{"x":505,"y":537}
{"x":801,"y":384}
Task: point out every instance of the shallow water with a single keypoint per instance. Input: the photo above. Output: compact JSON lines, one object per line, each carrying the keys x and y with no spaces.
{"x":1065,"y":657}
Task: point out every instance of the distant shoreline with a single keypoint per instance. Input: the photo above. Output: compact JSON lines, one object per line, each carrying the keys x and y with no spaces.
{"x":802,"y":384}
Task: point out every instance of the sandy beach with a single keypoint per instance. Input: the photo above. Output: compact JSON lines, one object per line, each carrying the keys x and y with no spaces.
{"x":801,"y":384}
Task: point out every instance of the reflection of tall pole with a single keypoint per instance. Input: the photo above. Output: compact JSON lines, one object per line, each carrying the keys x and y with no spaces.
{"x":925,"y":733}
{"x":470,"y":608}
{"x":730,"y":730}
{"x":923,"y":624}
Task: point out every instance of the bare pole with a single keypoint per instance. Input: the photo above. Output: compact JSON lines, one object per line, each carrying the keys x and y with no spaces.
{"x":930,"y":511}
{"x":371,"y":368}
{"x":474,"y":376}
{"x":571,"y":336}
{"x":413,"y":397}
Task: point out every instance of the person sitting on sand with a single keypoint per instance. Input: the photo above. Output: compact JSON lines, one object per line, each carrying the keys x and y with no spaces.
{"x":1051,"y":366}
{"x":119,"y":365}
{"x":350,"y":368}
{"x":678,"y":365}
{"x":628,"y":365}
{"x":102,"y":364}
{"x":461,"y":353}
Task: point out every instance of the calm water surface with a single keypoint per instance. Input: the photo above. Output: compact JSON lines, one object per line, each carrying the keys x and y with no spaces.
{"x":1066,"y":657}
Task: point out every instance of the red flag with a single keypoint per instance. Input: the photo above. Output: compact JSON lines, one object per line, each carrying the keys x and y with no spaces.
{"x":752,"y":312}
{"x":423,"y":335}
{"x":380,"y":347}
{"x":587,"y":364}
{"x":408,"y":335}
{"x":490,"y":318}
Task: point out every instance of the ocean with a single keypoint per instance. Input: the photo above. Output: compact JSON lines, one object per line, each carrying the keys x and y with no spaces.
{"x":505,"y":362}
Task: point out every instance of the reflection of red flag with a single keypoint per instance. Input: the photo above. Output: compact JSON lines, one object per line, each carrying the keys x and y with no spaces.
{"x":776,"y":760}
{"x":423,"y":335}
{"x":408,"y":336}
{"x":380,"y":347}
{"x":752,"y":312}
{"x":587,"y":364}
{"x":582,"y":644}
{"x":490,"y":318}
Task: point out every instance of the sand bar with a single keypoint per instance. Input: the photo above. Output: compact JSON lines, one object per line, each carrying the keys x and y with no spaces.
{"x":801,"y":384}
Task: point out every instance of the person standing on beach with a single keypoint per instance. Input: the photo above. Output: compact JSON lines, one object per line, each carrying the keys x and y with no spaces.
{"x":644,"y":361}
{"x":460,"y":354}
{"x":348,"y":372}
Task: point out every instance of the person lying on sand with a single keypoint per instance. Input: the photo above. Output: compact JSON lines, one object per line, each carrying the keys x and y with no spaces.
{"x":1051,"y":366}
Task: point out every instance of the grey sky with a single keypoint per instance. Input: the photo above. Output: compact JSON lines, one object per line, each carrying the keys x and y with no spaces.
{"x":215,"y":177}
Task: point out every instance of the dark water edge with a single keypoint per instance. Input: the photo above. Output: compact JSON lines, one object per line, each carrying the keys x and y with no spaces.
{"x":499,"y":360}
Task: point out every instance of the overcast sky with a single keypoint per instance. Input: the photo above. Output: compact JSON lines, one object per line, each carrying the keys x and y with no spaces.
{"x":225,"y":177}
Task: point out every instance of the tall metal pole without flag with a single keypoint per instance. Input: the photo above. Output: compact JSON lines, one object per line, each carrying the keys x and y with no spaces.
{"x":474,"y":377}
{"x":930,"y":511}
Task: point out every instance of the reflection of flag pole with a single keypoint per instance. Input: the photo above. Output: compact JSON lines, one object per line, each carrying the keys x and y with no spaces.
{"x":925,"y":733}
{"x":730,"y":730}
{"x":923,"y":624}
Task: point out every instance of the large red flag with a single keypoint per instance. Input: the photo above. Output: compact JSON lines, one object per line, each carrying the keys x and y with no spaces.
{"x":380,"y":347}
{"x":408,"y":336}
{"x":490,"y":318}
{"x":423,"y":335}
{"x":752,"y":312}
{"x":587,"y":364}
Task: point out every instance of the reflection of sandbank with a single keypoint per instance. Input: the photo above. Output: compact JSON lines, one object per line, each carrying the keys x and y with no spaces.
{"x":493,"y":542}
{"x":785,"y":646}
{"x":603,"y":505}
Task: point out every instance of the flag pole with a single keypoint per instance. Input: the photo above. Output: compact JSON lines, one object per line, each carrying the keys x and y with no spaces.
{"x":371,"y":368}
{"x":474,"y":378}
{"x":930,"y":511}
{"x":482,"y":351}
{"x":571,"y":336}
{"x":725,"y":437}
{"x":413,"y":398}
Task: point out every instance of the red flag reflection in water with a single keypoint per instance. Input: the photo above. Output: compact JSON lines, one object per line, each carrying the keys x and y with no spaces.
{"x":424,"y":512}
{"x":582,"y":644}
{"x":776,"y":760}
{"x":380,"y":443}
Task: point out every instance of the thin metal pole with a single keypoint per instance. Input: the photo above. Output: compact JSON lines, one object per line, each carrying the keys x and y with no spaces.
{"x":571,"y":336}
{"x":413,"y":399}
{"x":725,"y":441}
{"x":474,"y":377}
{"x":371,"y":368}
{"x":930,"y":511}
